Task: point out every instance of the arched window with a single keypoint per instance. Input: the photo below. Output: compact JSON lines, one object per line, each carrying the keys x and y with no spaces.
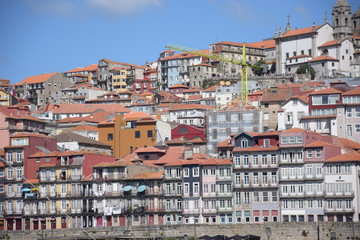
{"x":337,"y":22}
{"x":354,"y":23}
{"x":346,"y":21}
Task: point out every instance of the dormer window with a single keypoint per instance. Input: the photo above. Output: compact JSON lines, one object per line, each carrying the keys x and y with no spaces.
{"x":266,"y":143}
{"x":244,"y":143}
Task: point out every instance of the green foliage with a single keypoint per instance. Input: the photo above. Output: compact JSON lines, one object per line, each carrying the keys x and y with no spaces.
{"x":304,"y":69}
{"x":257,"y":68}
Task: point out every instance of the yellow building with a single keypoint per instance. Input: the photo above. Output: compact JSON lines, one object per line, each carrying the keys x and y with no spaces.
{"x":118,"y":79}
{"x":4,"y":98}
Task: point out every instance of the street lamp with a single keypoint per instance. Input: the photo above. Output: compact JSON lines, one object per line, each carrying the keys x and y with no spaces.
{"x":267,"y":229}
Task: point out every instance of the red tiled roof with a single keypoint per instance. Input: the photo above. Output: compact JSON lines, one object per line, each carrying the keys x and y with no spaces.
{"x":281,"y":95}
{"x":194,"y":97}
{"x":329,"y":90}
{"x":199,"y":156}
{"x":265,"y":44}
{"x":90,"y":68}
{"x":178,"y":86}
{"x":355,"y":91}
{"x":190,"y":90}
{"x":349,"y":157}
{"x":211,"y":89}
{"x":301,"y":31}
{"x":94,"y":118}
{"x":117,"y":163}
{"x":85,"y":127}
{"x":36,"y":79}
{"x":332,"y":43}
{"x":319,"y":144}
{"x":347,"y":143}
{"x":323,"y":58}
{"x":297,"y":130}
{"x":319,"y":117}
{"x":148,"y":150}
{"x":202,"y":64}
{"x":120,"y":63}
{"x":261,"y":92}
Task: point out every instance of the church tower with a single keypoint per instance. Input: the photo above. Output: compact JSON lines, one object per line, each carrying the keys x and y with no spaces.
{"x":341,"y":19}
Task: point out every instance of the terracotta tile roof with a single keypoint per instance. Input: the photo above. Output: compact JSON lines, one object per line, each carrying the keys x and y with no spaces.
{"x":249,"y":45}
{"x":136,"y":115}
{"x":85,"y":108}
{"x":319,"y":144}
{"x":256,"y":149}
{"x":256,"y":93}
{"x":36,"y":79}
{"x":323,"y":58}
{"x":147,"y":175}
{"x":2,"y":152}
{"x":17,"y":135}
{"x":299,"y":56}
{"x":331,"y":43}
{"x":183,"y":140}
{"x":281,"y":95}
{"x":178,"y":86}
{"x":216,"y":161}
{"x":1,"y":164}
{"x":85,"y":127}
{"x":348,"y":157}
{"x":93,"y":118}
{"x":194,"y":97}
{"x":211,"y":89}
{"x":355,"y":91}
{"x":168,"y":51}
{"x":90,"y":68}
{"x":270,"y":133}
{"x":225,"y":143}
{"x":329,"y":90}
{"x":210,"y":161}
{"x":301,"y":31}
{"x":199,"y":156}
{"x":41,"y":154}
{"x":176,"y":107}
{"x":13,"y":112}
{"x":347,"y":143}
{"x":119,"y":63}
{"x":148,"y":150}
{"x":191,"y":90}
{"x":265,"y":44}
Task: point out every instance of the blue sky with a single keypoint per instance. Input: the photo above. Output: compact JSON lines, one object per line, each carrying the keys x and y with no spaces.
{"x":43,"y":36}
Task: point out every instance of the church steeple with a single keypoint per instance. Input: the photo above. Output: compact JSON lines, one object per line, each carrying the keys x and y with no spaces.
{"x":288,"y":26}
{"x":341,"y":19}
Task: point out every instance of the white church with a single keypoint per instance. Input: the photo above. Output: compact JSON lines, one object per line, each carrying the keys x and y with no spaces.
{"x":332,"y":50}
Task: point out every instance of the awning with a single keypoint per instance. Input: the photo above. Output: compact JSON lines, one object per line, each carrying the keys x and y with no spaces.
{"x":127,"y":188}
{"x":26,"y":190}
{"x":141,"y":188}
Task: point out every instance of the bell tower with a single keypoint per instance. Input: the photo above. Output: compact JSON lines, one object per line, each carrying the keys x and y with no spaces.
{"x":341,"y":19}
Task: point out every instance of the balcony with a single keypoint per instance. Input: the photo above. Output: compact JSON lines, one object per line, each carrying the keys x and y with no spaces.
{"x":224,"y":209}
{"x":341,"y":194}
{"x":339,"y":209}
{"x":314,"y":194}
{"x":209,"y":194}
{"x":209,"y":211}
{"x":172,"y":193}
{"x":291,"y":195}
{"x":47,"y":179}
{"x":191,"y":211}
{"x":224,"y":194}
{"x":223,"y":178}
{"x":172,"y":209}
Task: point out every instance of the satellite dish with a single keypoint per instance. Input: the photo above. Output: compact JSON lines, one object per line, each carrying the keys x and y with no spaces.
{"x":228,"y":83}
{"x":222,"y":83}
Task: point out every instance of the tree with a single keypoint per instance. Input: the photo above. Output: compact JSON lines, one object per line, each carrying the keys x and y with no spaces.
{"x":258,"y":67}
{"x":304,"y":69}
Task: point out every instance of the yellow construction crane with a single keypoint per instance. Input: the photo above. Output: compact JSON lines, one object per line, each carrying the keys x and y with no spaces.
{"x":242,"y":63}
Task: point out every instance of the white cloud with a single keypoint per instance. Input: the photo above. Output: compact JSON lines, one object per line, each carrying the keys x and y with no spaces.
{"x":122,"y":7}
{"x":60,"y":7}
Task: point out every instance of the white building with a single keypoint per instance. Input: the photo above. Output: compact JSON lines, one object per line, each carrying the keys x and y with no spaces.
{"x":293,"y":110}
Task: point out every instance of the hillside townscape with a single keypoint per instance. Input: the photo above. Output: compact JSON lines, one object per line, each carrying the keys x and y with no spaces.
{"x":192,"y":138}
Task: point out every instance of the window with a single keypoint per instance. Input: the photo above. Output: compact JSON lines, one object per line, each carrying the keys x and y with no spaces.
{"x":357,"y":128}
{"x":266,"y":143}
{"x":244,"y":143}
{"x":110,"y":136}
{"x":237,"y":160}
{"x":255,"y":160}
{"x":246,"y":197}
{"x":349,"y":112}
{"x":246,"y":160}
{"x":195,"y":171}
{"x":186,"y":172}
{"x":150,"y":133}
{"x":349,"y":130}
{"x":137,"y":134}
{"x":196,"y":188}
{"x":256,"y":197}
{"x":357,"y":112}
{"x":318,"y":153}
{"x":274,"y":196}
{"x":309,"y":153}
{"x":265,"y":197}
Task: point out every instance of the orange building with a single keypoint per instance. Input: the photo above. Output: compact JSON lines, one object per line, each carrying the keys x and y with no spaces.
{"x":125,"y":133}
